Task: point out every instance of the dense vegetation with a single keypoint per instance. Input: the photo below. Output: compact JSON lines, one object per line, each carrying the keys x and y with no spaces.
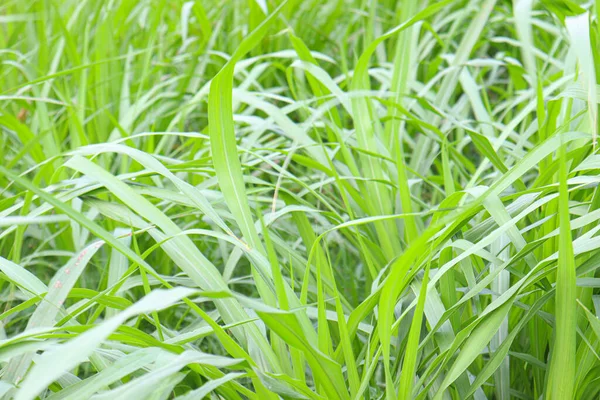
{"x":335,"y":199}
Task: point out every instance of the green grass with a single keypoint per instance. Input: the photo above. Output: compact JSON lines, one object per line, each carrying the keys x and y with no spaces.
{"x":303,"y":199}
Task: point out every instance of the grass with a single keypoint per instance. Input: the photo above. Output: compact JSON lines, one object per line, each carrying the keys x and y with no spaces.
{"x":302,"y":199}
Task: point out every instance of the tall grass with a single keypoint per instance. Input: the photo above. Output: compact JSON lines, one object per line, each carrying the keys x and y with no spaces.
{"x":302,"y":199}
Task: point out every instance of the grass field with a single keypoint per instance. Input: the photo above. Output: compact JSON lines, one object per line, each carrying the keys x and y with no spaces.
{"x":265,"y":199}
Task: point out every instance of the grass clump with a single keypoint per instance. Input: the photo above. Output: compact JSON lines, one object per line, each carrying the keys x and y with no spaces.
{"x":323,"y":200}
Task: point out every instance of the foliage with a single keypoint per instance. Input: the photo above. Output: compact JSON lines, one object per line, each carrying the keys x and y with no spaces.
{"x":334,"y":199}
